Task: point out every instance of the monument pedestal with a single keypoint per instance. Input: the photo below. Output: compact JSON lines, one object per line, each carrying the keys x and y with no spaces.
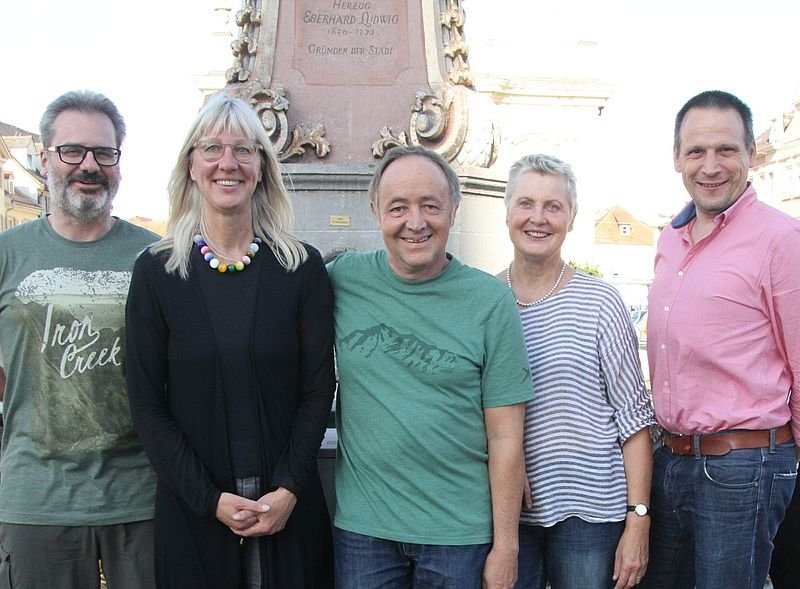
{"x":338,"y":82}
{"x":332,"y":212}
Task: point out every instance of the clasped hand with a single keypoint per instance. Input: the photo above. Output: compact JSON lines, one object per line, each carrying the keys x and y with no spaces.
{"x":264,"y":516}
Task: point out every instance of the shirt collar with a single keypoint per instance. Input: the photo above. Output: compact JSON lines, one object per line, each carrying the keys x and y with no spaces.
{"x":689,"y":212}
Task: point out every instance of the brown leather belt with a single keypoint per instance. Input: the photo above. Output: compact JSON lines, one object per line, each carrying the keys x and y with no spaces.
{"x":719,"y":444}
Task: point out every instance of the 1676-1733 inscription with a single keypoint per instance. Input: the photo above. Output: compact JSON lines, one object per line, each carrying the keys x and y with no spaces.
{"x":351,"y":41}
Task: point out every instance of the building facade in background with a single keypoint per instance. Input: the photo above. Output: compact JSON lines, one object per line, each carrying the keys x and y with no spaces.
{"x":23,"y":189}
{"x":776,"y":175}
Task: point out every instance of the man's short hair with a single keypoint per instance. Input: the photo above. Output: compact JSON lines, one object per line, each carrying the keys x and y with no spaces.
{"x":396,"y":153}
{"x":85,"y":101}
{"x":722,"y":101}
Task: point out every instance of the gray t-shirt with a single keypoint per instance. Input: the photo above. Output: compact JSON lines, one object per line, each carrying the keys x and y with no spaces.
{"x":70,"y":455}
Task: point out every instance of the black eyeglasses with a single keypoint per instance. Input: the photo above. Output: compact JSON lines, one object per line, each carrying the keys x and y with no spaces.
{"x":212,"y":150}
{"x":75,"y":154}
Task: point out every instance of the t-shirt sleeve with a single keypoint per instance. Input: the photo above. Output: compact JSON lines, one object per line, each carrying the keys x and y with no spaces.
{"x":618,"y":348}
{"x":506,"y":377}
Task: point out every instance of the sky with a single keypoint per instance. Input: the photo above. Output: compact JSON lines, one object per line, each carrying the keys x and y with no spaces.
{"x":656,"y":55}
{"x":146,"y":55}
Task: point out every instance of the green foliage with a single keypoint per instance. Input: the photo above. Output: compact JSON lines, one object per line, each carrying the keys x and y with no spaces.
{"x":587,"y":268}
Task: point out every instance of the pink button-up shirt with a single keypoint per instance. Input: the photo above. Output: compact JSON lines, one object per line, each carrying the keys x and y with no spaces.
{"x":723,"y":323}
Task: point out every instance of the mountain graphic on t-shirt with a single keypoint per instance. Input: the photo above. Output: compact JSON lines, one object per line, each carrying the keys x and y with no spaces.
{"x":409,"y":349}
{"x":75,"y":358}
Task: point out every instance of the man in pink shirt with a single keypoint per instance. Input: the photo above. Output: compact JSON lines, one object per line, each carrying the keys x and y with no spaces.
{"x":723,"y":339}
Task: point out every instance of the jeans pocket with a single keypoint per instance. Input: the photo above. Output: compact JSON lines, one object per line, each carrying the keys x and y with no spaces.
{"x":732,"y":473}
{"x":5,"y":568}
{"x":782,"y":489}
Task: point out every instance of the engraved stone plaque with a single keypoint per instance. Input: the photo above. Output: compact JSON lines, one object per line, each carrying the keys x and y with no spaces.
{"x":351,"y":42}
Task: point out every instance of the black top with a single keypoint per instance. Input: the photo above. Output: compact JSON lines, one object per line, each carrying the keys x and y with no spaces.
{"x":180,"y":410}
{"x":231,"y":299}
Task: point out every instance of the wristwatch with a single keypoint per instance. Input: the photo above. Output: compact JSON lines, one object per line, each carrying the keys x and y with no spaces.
{"x":639,"y":509}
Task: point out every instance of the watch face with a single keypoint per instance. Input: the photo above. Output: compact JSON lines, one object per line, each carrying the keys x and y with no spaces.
{"x":640,"y":510}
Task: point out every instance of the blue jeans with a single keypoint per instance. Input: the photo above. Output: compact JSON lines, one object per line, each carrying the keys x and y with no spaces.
{"x":572,"y":554}
{"x":714,"y":517}
{"x":365,"y":562}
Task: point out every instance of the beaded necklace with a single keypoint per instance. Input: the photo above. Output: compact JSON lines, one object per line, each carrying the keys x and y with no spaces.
{"x":545,"y":297}
{"x":214,"y":262}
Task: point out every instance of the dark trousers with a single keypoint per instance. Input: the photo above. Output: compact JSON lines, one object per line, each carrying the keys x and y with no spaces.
{"x":67,"y":556}
{"x":785,"y":568}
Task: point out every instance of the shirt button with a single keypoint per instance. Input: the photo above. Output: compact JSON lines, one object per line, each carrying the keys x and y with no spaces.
{"x":663,"y":346}
{"x":680,"y":272}
{"x":666,"y":307}
{"x":666,"y":383}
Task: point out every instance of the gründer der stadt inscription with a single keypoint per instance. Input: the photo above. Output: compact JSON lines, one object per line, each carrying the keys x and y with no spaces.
{"x":348,"y":42}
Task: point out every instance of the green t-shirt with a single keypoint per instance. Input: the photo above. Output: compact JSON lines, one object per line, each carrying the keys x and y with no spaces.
{"x":70,"y":456}
{"x":418,"y":363}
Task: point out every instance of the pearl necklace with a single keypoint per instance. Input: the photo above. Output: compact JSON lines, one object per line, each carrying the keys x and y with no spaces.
{"x":545,"y":297}
{"x":214,"y":262}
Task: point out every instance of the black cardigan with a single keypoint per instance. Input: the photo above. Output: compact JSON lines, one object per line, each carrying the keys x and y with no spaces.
{"x":178,"y":409}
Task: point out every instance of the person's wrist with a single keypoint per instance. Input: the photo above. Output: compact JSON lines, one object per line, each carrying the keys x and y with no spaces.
{"x":637,"y":521}
{"x":639,"y":509}
{"x":507,"y":548}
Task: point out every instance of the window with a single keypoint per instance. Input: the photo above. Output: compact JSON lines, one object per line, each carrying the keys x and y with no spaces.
{"x":8,"y":182}
{"x":625,"y":229}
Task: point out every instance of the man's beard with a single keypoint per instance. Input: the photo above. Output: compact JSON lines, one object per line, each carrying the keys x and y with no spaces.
{"x":85,"y":208}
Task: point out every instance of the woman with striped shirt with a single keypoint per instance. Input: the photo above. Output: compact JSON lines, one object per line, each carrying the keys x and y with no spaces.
{"x":588,"y":454}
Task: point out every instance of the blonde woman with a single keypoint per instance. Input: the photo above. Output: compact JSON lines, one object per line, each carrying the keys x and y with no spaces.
{"x":230,"y":369}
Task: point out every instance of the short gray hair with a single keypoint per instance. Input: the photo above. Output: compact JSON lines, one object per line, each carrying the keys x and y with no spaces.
{"x":396,"y":153}
{"x":543,"y":164}
{"x":85,"y":101}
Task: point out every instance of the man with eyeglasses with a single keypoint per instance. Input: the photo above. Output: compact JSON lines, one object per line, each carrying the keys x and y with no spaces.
{"x":77,"y":489}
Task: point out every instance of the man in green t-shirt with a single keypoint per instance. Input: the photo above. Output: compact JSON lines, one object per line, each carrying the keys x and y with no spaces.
{"x":433,"y":379}
{"x":76,"y":487}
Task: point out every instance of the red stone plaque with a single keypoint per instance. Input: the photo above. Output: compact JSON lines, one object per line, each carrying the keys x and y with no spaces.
{"x":351,"y":42}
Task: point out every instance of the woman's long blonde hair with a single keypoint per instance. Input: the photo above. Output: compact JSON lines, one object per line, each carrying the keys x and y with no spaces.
{"x":272,"y":209}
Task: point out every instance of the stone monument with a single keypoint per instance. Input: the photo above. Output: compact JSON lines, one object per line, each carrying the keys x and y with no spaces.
{"x":338,"y":82}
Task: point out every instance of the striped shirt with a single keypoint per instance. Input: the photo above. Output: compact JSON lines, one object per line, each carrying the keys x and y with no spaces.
{"x":590,"y":397}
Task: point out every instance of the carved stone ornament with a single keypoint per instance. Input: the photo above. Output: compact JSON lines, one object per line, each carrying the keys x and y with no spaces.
{"x":455,"y":124}
{"x":429,"y":118}
{"x":389,"y":139}
{"x":301,"y":138}
{"x":452,"y":119}
{"x":244,"y":47}
{"x":271,"y":106}
{"x":455,"y":48}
